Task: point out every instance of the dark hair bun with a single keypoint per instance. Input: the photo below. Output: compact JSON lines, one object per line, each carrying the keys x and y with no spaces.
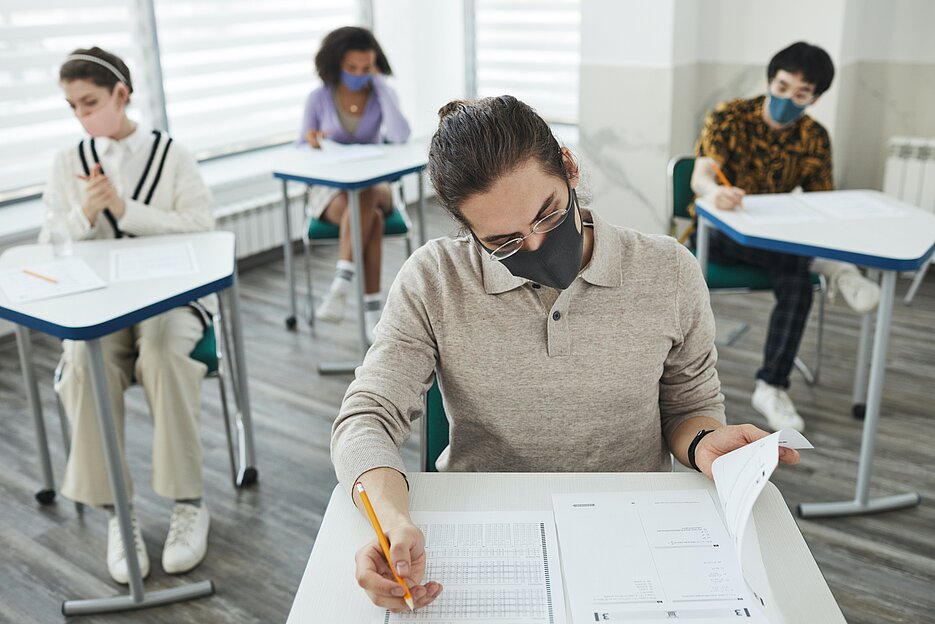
{"x":451,"y":107}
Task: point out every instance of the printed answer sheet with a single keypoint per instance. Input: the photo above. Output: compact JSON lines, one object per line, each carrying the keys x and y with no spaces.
{"x":58,"y":278}
{"x":495,"y":567}
{"x":152,"y":261}
{"x":644,"y":557}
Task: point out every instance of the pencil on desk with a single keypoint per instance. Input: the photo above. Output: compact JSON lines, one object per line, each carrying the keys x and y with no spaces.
{"x":40,"y":276}
{"x":383,"y":543}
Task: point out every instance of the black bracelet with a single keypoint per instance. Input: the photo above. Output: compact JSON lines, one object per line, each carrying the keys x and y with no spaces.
{"x":694,"y":444}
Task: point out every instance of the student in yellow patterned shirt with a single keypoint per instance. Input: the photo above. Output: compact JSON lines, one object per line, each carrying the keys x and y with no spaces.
{"x":768,"y":144}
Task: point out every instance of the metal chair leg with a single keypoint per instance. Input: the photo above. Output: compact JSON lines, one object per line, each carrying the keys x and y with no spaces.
{"x":811,"y":375}
{"x":236,"y":450}
{"x":63,"y":422}
{"x":306,"y":254}
{"x":916,"y":282}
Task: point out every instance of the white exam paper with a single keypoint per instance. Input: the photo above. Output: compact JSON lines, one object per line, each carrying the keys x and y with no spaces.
{"x":334,"y":152}
{"x":152,"y":261}
{"x":495,"y":567}
{"x":848,"y":205}
{"x":72,"y":275}
{"x":644,"y":557}
{"x":776,"y":209}
{"x":742,"y":474}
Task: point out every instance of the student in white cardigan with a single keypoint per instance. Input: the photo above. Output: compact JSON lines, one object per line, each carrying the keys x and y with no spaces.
{"x":124,"y":180}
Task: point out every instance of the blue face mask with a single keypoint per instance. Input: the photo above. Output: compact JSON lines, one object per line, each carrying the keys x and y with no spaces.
{"x":783,"y":110}
{"x":354,"y":82}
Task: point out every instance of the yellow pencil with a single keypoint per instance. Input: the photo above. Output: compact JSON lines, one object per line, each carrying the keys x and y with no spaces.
{"x":40,"y":276}
{"x":723,"y":178}
{"x":383,"y":543}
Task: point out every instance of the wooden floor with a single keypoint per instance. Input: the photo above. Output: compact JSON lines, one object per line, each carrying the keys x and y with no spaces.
{"x":881,"y":568}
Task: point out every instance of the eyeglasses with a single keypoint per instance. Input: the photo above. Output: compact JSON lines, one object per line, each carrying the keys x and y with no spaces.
{"x":799,"y":98}
{"x":543,"y":226}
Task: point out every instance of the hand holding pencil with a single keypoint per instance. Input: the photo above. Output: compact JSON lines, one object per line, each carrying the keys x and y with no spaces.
{"x":396,"y":588}
{"x":727,"y":196}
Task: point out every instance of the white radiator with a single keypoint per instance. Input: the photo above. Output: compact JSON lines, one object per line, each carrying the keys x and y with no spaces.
{"x":909,"y":175}
{"x":910,"y":171}
{"x":257,"y":223}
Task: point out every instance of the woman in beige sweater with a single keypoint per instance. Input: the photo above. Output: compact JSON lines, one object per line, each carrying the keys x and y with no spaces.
{"x":123,"y":180}
{"x":560,"y":342}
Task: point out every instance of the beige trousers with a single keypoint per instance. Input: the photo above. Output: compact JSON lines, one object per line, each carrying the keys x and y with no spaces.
{"x":155,"y":353}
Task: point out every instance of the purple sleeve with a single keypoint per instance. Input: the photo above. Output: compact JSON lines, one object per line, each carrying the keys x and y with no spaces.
{"x":395,"y":127}
{"x":311,"y":118}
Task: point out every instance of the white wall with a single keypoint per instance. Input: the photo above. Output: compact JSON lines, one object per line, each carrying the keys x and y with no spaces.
{"x":424,"y":41}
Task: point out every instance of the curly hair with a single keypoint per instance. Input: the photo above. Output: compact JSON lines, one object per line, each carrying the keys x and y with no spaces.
{"x":338,"y":43}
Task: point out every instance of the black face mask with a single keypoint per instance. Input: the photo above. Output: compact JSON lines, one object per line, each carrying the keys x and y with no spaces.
{"x":557,"y":261}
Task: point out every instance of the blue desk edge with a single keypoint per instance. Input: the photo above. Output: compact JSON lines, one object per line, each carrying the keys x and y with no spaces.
{"x":865,"y":260}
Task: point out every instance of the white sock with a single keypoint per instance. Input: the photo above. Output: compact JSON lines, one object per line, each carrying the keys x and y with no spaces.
{"x":373,"y":306}
{"x":344,"y":275}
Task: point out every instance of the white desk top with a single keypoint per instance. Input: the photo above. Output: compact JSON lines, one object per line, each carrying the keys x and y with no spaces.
{"x":329,"y":593}
{"x":95,"y":313}
{"x":900,"y":241}
{"x":302,"y":165}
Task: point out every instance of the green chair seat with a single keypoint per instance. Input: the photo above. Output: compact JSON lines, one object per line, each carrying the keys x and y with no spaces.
{"x":206,"y":350}
{"x":436,"y":427}
{"x":322,"y":230}
{"x":741,"y":276}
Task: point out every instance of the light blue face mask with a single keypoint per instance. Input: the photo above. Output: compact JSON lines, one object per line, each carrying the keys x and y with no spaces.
{"x":783,"y":110}
{"x":354,"y":82}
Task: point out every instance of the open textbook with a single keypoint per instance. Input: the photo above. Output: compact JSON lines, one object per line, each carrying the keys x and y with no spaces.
{"x":643,"y":557}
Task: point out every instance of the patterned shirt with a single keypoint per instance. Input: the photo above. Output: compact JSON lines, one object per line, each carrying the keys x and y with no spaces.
{"x":761,"y":159}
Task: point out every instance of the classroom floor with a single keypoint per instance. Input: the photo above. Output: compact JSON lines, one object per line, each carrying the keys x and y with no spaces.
{"x":881,"y":568}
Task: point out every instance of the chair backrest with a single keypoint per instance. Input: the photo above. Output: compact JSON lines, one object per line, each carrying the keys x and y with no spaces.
{"x":435,"y":428}
{"x":681,"y":195}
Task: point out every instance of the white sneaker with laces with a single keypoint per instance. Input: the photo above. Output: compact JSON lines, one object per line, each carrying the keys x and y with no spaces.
{"x":117,"y":554}
{"x":860,"y":293}
{"x":774,"y":403}
{"x":187,"y":541}
{"x":332,"y":306}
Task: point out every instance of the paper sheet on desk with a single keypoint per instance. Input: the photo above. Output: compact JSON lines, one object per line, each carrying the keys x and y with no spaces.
{"x":71,"y":275}
{"x":495,"y":567}
{"x":334,"y":152}
{"x":851,"y":205}
{"x":641,"y":557}
{"x":152,"y":261}
{"x":772,"y":209}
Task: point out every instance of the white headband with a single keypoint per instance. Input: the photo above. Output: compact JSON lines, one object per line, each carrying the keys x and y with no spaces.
{"x":101,"y":62}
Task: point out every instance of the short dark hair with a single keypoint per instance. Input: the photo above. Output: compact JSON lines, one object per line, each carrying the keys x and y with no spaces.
{"x":339,"y":42}
{"x":804,"y":58}
{"x":78,"y":69}
{"x":478,"y":141}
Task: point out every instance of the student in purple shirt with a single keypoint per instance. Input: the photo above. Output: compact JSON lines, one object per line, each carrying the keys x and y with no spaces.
{"x":354,"y":105}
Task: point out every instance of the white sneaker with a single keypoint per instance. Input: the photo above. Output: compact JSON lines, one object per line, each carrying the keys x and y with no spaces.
{"x":332,"y":306}
{"x":371,"y":318}
{"x":117,"y":554}
{"x":187,"y":541}
{"x":774,"y":403}
{"x":860,"y":293}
